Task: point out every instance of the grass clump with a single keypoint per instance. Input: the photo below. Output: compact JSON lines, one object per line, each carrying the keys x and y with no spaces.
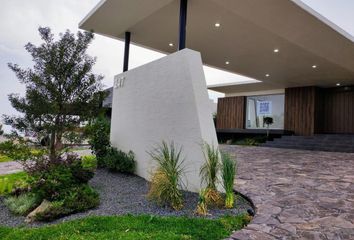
{"x":209,"y":174}
{"x":202,"y":208}
{"x":4,"y":158}
{"x":22,"y":204}
{"x":166,"y":180}
{"x":130,"y":228}
{"x":228,"y":172}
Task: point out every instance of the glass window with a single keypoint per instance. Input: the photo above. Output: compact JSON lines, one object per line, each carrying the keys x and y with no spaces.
{"x":259,"y":107}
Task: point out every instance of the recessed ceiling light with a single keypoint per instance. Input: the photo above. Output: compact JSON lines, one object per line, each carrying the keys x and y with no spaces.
{"x":227,"y":62}
{"x":217,"y":25}
{"x":267,"y":75}
{"x":338,"y":84}
{"x":314,"y":66}
{"x":170,"y":44}
{"x":276,"y":50}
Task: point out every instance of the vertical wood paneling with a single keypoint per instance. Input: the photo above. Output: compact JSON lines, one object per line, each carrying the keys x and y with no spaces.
{"x":338,"y":111}
{"x":300,"y":110}
{"x":231,"y":113}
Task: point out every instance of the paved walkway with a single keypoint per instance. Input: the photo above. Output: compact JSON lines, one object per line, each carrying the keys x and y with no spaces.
{"x":298,"y":194}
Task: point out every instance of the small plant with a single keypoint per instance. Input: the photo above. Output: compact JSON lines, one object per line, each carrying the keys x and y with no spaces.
{"x":119,"y":161}
{"x":23,"y":204}
{"x":228,"y":176}
{"x":267,"y":121}
{"x":166,"y":180}
{"x":98,"y":133}
{"x":89,"y":162}
{"x":202,"y":206}
{"x":5,"y":186}
{"x":209,"y":174}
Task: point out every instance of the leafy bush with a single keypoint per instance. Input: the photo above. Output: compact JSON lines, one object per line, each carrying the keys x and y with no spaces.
{"x":166,"y":180}
{"x":98,"y":133}
{"x":23,"y":204}
{"x":228,"y":176}
{"x":119,"y":161}
{"x":209,"y":174}
{"x":75,"y":199}
{"x":49,"y":179}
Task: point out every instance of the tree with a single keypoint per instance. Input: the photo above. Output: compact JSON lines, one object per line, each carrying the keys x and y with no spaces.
{"x":61,"y":90}
{"x":1,"y":131}
{"x":267,"y":121}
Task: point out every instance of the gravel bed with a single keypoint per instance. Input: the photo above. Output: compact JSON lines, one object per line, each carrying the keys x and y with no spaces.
{"x":126,"y":194}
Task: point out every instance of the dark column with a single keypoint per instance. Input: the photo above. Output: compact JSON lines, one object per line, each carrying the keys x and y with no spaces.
{"x":126,"y":52}
{"x":182,"y":24}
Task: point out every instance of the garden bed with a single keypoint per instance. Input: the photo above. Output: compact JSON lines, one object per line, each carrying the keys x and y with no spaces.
{"x":122,"y":194}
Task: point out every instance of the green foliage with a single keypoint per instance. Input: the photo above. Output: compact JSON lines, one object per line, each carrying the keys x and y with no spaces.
{"x":209,"y":170}
{"x":22,"y":204}
{"x":18,"y":151}
{"x":10,"y":181}
{"x":61,"y":90}
{"x":228,"y":173}
{"x":119,"y":161}
{"x":4,"y":158}
{"x":166,"y":180}
{"x":98,"y":133}
{"x":50,"y":182}
{"x":202,"y":208}
{"x":131,"y":228}
{"x":75,"y":199}
{"x":74,"y":137}
{"x":89,"y":162}
{"x":252,"y":141}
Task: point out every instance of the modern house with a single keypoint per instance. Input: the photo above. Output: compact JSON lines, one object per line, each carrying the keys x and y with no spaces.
{"x":304,"y":64}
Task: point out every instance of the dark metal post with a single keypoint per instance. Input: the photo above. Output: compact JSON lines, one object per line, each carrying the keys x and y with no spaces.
{"x":182,"y":24}
{"x":126,"y":52}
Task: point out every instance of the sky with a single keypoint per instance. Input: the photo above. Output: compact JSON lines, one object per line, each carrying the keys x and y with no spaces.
{"x":20,"y":19}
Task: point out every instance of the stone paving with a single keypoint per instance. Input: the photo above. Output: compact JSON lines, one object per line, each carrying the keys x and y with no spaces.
{"x":10,"y":167}
{"x":297,"y":194}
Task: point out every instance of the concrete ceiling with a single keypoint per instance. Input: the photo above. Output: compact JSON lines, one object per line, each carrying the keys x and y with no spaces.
{"x":249,"y":32}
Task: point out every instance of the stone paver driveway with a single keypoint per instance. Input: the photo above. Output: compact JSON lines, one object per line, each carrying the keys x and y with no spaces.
{"x":297,"y":194}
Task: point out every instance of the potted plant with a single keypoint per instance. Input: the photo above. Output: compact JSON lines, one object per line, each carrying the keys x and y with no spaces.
{"x":267,"y":121}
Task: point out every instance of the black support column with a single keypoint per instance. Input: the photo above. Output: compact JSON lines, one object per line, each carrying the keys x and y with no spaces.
{"x":126,"y":52}
{"x":182,"y":24}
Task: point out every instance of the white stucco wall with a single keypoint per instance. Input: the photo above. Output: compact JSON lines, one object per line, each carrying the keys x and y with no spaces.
{"x":164,"y":100}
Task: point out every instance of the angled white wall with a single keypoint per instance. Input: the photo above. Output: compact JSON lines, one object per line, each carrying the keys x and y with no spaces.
{"x":164,"y":100}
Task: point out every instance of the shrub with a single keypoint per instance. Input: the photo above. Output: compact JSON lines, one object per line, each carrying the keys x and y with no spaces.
{"x":50,"y":178}
{"x":166,"y":180}
{"x":98,"y":133}
{"x":228,"y":176}
{"x":22,"y":204}
{"x":119,"y":161}
{"x":75,"y":199}
{"x":209,"y":174}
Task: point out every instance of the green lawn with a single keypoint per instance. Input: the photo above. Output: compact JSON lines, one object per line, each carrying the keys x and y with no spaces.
{"x":131,"y":228}
{"x":7,"y":181}
{"x":4,"y":158}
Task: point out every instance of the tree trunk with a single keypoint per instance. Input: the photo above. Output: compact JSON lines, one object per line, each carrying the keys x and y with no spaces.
{"x":52,"y":151}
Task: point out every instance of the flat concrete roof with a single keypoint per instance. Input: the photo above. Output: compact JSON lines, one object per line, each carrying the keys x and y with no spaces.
{"x":312,"y":50}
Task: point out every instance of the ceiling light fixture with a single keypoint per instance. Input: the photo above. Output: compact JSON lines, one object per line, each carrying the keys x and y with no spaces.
{"x":227,"y":62}
{"x":217,"y":25}
{"x":276,"y":50}
{"x":267,"y":75}
{"x":314,"y":66}
{"x":338,"y":84}
{"x":170,"y":44}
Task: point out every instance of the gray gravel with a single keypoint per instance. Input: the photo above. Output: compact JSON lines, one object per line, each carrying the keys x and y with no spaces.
{"x":126,"y":194}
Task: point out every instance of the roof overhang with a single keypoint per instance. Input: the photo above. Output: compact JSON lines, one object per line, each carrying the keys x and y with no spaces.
{"x":249,"y":32}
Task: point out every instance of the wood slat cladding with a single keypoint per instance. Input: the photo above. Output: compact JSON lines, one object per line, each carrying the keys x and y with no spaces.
{"x":231,"y":113}
{"x":300,"y":111}
{"x":338,"y":110}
